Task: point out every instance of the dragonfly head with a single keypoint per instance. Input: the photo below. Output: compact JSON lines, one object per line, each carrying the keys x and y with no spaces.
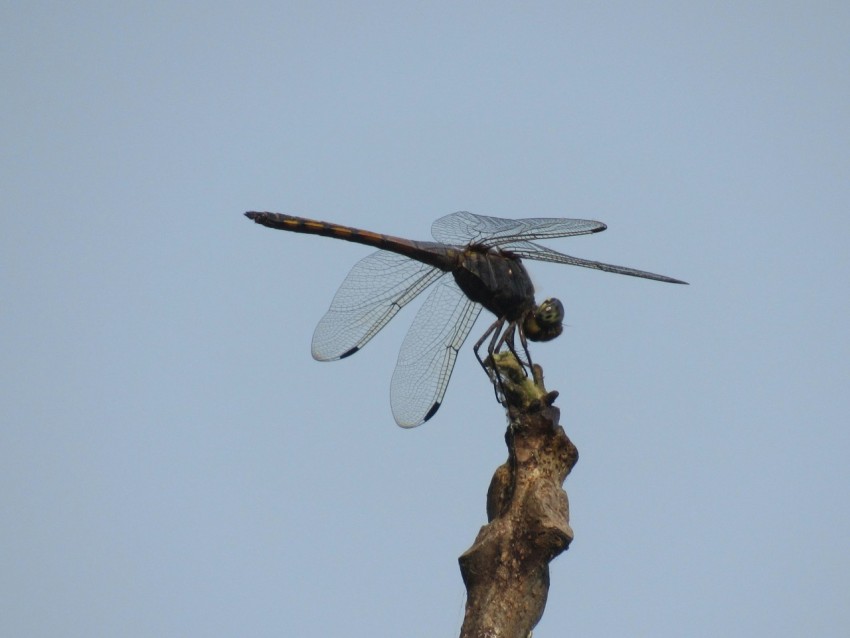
{"x":545,"y":322}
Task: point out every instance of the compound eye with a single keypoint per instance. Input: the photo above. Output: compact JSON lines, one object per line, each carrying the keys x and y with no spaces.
{"x":550,"y":312}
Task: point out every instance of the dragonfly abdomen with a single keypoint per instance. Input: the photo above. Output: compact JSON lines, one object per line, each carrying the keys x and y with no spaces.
{"x":434,"y":254}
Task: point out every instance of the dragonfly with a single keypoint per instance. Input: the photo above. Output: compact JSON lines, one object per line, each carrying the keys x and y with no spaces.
{"x":475,"y":262}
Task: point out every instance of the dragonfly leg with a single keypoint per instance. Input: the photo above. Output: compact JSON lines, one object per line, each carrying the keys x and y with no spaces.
{"x":496,"y":336}
{"x":524,"y":343}
{"x":495,"y":329}
{"x":500,"y":337}
{"x":508,"y":340}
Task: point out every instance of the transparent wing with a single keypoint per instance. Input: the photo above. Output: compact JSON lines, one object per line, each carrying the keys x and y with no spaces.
{"x":530,"y":250}
{"x":377,"y":287}
{"x":428,"y":353}
{"x":462,"y":228}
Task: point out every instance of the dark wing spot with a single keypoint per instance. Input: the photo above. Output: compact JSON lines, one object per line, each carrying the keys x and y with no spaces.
{"x":348,"y":353}
{"x":432,"y":411}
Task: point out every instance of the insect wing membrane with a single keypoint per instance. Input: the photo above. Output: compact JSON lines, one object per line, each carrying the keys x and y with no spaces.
{"x":463,"y":227}
{"x":530,"y":250}
{"x":428,"y":353}
{"x":376,"y":288}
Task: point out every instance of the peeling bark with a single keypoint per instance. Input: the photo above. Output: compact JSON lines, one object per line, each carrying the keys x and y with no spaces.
{"x":506,"y":571}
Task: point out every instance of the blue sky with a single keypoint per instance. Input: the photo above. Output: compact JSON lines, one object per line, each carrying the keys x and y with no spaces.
{"x":172,"y":460}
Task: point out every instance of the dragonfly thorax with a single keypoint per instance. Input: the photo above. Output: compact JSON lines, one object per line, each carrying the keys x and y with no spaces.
{"x":497,"y":280}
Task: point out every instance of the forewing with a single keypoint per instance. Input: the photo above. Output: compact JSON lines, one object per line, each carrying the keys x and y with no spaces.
{"x":530,"y":250}
{"x":373,"y":292}
{"x":463,"y":228}
{"x":428,"y":353}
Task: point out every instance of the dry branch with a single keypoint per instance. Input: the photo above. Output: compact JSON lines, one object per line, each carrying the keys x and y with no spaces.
{"x":506,"y":571}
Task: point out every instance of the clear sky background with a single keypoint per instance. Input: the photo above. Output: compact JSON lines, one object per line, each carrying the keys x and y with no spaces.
{"x":174,"y":463}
